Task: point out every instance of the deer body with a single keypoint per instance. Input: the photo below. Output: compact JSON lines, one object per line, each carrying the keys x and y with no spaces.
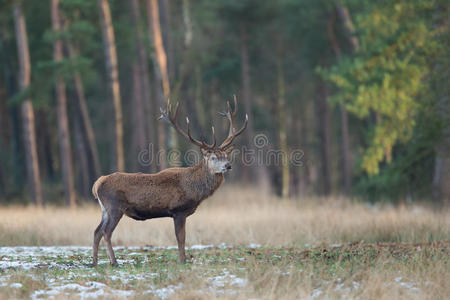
{"x":168,"y":193}
{"x":174,"y":192}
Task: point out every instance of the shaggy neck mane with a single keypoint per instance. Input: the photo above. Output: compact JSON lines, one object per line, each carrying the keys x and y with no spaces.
{"x":200,"y":182}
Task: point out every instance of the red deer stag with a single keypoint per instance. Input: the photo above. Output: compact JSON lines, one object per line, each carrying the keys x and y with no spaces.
{"x":173,"y":192}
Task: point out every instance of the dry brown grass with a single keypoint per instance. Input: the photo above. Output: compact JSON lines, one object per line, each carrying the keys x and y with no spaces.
{"x":235,"y":216}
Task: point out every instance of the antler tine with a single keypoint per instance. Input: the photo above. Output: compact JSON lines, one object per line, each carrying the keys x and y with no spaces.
{"x":230,"y":139}
{"x":167,"y":116}
{"x":193,"y":140}
{"x":205,"y":145}
{"x":164,"y":114}
{"x":230,"y":114}
{"x":169,"y":108}
{"x":243,"y":127}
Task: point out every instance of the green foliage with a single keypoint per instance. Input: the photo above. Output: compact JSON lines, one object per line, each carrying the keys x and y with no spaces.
{"x":386,"y":76}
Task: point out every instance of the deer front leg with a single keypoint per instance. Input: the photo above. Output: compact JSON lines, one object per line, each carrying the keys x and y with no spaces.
{"x":180,"y":232}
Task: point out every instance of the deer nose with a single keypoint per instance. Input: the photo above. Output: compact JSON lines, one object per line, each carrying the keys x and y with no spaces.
{"x":228,"y":166}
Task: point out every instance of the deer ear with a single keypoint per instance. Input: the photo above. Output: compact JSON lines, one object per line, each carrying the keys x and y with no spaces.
{"x":204,"y":151}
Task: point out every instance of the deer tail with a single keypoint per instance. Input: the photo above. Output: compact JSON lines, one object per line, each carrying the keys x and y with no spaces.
{"x":96,"y":185}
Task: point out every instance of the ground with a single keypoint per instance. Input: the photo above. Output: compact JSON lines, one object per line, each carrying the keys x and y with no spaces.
{"x":389,"y":270}
{"x":241,"y":245}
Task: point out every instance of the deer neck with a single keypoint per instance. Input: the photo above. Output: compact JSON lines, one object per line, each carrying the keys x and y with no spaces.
{"x":201,"y":183}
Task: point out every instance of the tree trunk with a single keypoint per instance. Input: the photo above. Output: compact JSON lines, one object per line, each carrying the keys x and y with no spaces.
{"x":82,"y":170}
{"x":185,"y":67}
{"x":282,"y":115}
{"x":161,"y":162}
{"x":346,"y":156}
{"x":441,"y":176}
{"x":199,"y":107}
{"x":161,"y":59}
{"x":324,"y":118}
{"x":246,"y":92}
{"x":302,"y":126}
{"x":142,"y":88}
{"x":164,"y":12}
{"x":345,"y":136}
{"x":161,"y":128}
{"x":344,"y":15}
{"x":87,"y":130}
{"x":29,"y":133}
{"x":63,"y":124}
{"x":188,"y":33}
{"x":44,"y":145}
{"x":14,"y":163}
{"x":257,"y":171}
{"x":113,"y":74}
{"x":138,"y":133}
{"x":5,"y":134}
{"x":245,"y":77}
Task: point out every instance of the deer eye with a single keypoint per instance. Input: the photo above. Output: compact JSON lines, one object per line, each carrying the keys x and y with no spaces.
{"x":213,"y":158}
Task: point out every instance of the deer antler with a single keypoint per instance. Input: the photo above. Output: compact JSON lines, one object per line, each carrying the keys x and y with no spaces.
{"x":167,"y":116}
{"x":232,"y":133}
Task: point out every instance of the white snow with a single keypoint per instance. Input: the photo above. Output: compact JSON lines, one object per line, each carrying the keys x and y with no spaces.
{"x":165,"y":292}
{"x":409,"y":285}
{"x":200,"y":247}
{"x":316,"y":293}
{"x":221,"y":283}
{"x":356,"y":285}
{"x":89,"y":290}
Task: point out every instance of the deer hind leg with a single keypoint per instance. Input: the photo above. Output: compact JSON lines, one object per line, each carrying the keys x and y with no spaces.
{"x":112,"y":221}
{"x":98,"y":234}
{"x":180,"y":232}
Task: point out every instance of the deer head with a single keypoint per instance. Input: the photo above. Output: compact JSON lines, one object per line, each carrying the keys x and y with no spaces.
{"x":215,"y":157}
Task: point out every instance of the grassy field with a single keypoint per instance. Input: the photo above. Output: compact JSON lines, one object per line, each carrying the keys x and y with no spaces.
{"x":242,"y":245}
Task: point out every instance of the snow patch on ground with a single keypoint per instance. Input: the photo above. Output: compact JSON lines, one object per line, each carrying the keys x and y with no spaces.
{"x":226,"y":283}
{"x":316,"y":293}
{"x":200,"y":247}
{"x":409,"y":285}
{"x":90,"y":290}
{"x":70,"y":282}
{"x":165,"y":292}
